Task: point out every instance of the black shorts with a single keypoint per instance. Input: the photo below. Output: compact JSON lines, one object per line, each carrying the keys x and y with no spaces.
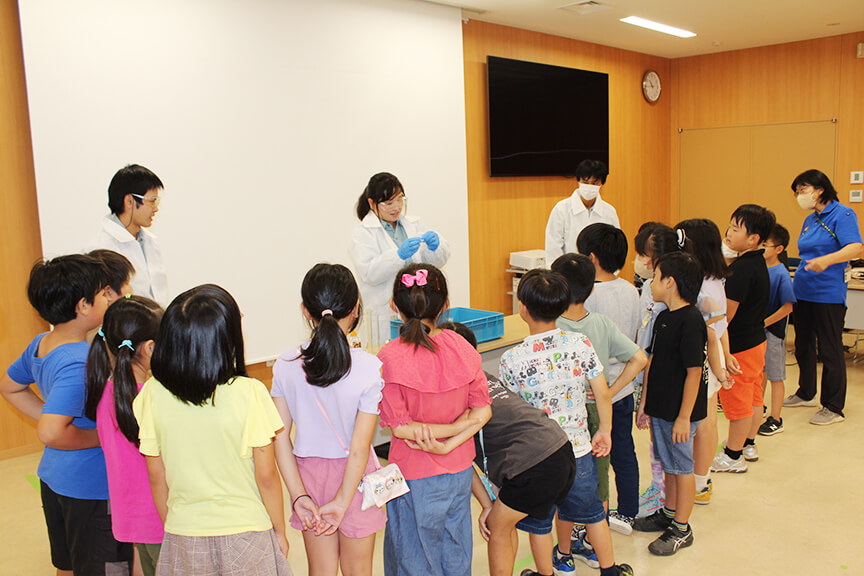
{"x":544,"y":485}
{"x":79,"y":532}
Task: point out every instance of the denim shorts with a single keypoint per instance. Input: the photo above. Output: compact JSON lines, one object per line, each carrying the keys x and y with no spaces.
{"x":675,"y":458}
{"x":582,"y":504}
{"x":775,"y":358}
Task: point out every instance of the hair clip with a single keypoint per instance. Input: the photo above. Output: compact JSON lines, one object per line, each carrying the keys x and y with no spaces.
{"x":128,"y":296}
{"x":682,"y":237}
{"x":127,"y":344}
{"x":419,"y":278}
{"x":327,"y":312}
{"x":100,"y":333}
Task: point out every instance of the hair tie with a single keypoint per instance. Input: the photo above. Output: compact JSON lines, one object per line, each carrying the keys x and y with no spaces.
{"x":127,"y":344}
{"x":419,"y":278}
{"x":327,"y":312}
{"x":682,"y":237}
{"x":100,"y":333}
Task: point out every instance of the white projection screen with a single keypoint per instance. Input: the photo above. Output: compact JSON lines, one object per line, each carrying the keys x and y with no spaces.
{"x":264,"y":119}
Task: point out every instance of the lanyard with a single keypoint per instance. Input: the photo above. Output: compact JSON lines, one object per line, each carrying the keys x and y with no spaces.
{"x":485,"y":478}
{"x":825,"y":226}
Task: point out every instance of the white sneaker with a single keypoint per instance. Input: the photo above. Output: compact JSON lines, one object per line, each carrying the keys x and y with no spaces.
{"x":825,"y":416}
{"x":723,"y":463}
{"x":751,"y":453}
{"x":795,"y":400}
{"x":620,"y":523}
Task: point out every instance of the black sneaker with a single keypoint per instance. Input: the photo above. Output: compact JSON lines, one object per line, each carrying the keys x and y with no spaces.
{"x":529,"y":572}
{"x":624,"y":570}
{"x":671,"y":541}
{"x":656,"y":522}
{"x":771,"y":427}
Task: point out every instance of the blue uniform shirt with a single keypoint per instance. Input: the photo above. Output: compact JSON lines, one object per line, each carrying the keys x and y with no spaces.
{"x":828,"y":286}
{"x":60,"y":376}
{"x":781,"y":293}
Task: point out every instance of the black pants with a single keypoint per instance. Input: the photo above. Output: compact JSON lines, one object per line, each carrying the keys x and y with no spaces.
{"x":814,"y":320}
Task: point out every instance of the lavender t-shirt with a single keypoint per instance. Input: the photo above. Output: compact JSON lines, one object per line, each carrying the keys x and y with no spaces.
{"x":359,"y":390}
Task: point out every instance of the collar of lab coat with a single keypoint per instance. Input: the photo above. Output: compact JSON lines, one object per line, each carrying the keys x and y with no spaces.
{"x":372,"y":221}
{"x":117,"y":231}
{"x":576,"y":205}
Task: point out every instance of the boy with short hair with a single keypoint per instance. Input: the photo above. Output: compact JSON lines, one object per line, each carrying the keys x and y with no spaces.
{"x":68,"y":292}
{"x":622,"y":360}
{"x":747,"y":293}
{"x":674,"y":397}
{"x":780,"y":302}
{"x":551,"y":369}
{"x":119,"y":272}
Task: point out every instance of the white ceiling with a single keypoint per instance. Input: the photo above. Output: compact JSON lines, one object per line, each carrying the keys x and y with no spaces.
{"x":720,"y":25}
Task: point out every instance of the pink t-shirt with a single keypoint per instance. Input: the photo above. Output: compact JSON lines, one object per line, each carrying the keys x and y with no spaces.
{"x":133,"y":514}
{"x":434,"y":388}
{"x":359,"y":390}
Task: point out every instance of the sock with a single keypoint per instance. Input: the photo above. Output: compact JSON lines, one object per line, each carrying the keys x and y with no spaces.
{"x":701,"y":482}
{"x":611,"y":571}
{"x":669,"y":513}
{"x":750,"y":442}
{"x":733,"y":454}
{"x":682,"y":527}
{"x":558,"y":548}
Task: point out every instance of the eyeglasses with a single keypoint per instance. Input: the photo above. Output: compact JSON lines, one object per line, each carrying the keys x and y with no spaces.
{"x":151,"y":200}
{"x":769,"y":245}
{"x":801,"y":188}
{"x":397,"y":202}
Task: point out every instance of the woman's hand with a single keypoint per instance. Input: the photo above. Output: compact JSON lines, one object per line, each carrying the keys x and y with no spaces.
{"x":408,"y":248}
{"x":432,"y":241}
{"x":819,"y":264}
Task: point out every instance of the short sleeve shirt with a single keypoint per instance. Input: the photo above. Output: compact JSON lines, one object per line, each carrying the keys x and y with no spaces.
{"x":781,"y":293}
{"x":828,"y":286}
{"x":750,"y":286}
{"x":680,"y":342}
{"x":60,"y":376}
{"x":610,"y":344}
{"x":207,"y":452}
{"x":550,"y":371}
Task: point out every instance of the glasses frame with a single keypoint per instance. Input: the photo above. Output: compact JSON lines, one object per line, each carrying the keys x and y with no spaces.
{"x":152,"y":201}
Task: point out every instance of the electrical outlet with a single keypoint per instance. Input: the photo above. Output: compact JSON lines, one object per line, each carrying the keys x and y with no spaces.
{"x":856,"y":196}
{"x":856,"y":177}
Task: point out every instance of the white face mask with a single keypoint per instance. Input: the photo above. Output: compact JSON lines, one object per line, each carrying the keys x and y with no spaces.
{"x":807,"y":201}
{"x":642,"y":270}
{"x":727,"y":252}
{"x":588,"y":192}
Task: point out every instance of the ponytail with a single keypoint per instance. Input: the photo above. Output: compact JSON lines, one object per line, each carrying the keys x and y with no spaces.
{"x":98,"y":372}
{"x":329,"y":294}
{"x":419,"y":293}
{"x":665,"y":240}
{"x":381,"y":188}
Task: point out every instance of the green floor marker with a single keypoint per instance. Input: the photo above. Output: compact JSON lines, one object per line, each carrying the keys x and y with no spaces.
{"x":522,"y":564}
{"x":34,"y":481}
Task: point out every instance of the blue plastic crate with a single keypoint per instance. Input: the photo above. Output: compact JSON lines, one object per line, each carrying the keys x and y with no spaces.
{"x":486,"y":325}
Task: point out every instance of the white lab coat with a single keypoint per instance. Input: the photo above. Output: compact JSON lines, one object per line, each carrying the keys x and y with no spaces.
{"x":568,"y":218}
{"x":149,"y":279}
{"x":376,"y":262}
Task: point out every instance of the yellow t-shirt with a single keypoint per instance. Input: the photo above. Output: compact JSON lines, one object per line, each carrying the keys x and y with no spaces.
{"x":207,"y":451}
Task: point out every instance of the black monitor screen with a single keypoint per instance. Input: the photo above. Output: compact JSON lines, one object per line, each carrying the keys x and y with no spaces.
{"x":544,"y":120}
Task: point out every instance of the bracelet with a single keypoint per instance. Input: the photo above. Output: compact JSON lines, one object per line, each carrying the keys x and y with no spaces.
{"x":298,"y":498}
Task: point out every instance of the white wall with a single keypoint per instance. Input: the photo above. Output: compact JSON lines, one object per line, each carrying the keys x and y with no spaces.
{"x":264,"y":119}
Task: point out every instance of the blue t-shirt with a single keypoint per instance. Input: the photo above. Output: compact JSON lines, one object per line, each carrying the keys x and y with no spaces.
{"x":60,"y":376}
{"x":828,"y":286}
{"x":781,"y":293}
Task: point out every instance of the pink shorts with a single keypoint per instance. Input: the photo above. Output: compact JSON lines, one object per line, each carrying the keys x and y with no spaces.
{"x":322,"y":478}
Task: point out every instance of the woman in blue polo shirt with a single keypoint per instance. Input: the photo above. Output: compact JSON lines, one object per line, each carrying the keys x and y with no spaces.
{"x":829,"y":239}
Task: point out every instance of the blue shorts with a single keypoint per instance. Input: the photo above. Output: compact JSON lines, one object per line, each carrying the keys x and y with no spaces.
{"x":582,"y":504}
{"x":675,"y":458}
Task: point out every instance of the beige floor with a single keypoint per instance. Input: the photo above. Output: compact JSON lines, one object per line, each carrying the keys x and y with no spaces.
{"x":797,"y":511}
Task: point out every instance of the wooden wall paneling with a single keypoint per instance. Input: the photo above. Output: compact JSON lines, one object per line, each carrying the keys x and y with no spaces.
{"x":20,"y":245}
{"x":850,"y":128}
{"x":510,"y":214}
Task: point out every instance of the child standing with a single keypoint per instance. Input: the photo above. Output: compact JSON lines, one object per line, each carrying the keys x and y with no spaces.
{"x":622,"y":360}
{"x":117,"y":366}
{"x":330,"y":393}
{"x":68,"y":292}
{"x":119,"y":270}
{"x":780,"y":303}
{"x":551,"y":370}
{"x":747,"y":292}
{"x":207,"y":430}
{"x":674,"y":397}
{"x":431,"y":376}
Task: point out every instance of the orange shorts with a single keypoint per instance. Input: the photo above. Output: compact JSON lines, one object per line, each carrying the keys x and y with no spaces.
{"x":746,"y":392}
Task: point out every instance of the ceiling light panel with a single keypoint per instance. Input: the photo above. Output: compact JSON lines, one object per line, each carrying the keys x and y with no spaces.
{"x":658,"y":27}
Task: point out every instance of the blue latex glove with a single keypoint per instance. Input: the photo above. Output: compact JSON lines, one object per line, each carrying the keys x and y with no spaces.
{"x":432,"y":240}
{"x":408,"y":248}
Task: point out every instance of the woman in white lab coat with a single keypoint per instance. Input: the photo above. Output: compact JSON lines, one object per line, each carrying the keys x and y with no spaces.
{"x":383,"y":242}
{"x":133,"y":197}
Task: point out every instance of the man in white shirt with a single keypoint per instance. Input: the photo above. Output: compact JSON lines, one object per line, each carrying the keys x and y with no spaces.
{"x":582,"y":208}
{"x":133,"y":197}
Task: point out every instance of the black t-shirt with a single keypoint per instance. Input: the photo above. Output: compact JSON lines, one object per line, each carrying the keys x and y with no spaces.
{"x":680,"y":341}
{"x":517,"y":437}
{"x":750,"y":286}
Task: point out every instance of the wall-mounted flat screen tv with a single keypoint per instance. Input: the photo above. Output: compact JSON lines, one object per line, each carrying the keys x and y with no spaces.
{"x":544,"y":120}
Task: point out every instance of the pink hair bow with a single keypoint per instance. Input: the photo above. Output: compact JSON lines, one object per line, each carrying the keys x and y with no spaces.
{"x":419,"y":278}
